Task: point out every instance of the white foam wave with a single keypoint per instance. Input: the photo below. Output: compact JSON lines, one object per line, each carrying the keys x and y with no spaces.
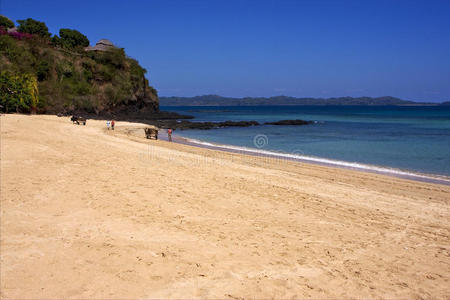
{"x":341,"y":163}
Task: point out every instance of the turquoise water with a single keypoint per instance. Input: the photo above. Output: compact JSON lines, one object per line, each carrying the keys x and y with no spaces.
{"x":411,"y":138}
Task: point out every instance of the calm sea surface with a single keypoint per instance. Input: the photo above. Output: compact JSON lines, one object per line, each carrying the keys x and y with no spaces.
{"x":412,"y":138}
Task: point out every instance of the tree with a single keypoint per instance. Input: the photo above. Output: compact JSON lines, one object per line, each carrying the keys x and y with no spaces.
{"x":56,"y":41}
{"x":33,"y":27}
{"x":5,"y":22}
{"x":18,"y":93}
{"x":71,"y":38}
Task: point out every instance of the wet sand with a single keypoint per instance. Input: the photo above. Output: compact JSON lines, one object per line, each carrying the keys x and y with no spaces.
{"x":273,"y":155}
{"x":91,"y":213}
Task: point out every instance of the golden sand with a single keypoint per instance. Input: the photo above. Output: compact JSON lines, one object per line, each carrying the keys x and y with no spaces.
{"x":90,"y":213}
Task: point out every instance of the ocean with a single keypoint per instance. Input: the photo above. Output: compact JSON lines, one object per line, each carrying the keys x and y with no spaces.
{"x":402,"y":139}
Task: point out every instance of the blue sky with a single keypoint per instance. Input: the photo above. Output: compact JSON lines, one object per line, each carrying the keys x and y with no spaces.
{"x":266,"y":48}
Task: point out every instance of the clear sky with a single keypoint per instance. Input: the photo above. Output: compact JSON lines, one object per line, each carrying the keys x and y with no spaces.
{"x":265,"y":48}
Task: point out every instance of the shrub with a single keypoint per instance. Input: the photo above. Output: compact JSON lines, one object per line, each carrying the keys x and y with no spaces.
{"x":18,"y":92}
{"x":106,"y":74}
{"x":113,"y":57}
{"x":81,"y":88}
{"x":72,"y":38}
{"x":33,"y":27}
{"x":87,"y":75}
{"x":6,"y":22}
{"x":111,"y":95}
{"x":15,"y":34}
{"x":22,"y":60}
{"x":135,"y":69}
{"x":64,"y":69}
{"x":56,"y":41}
{"x":20,"y":35}
{"x":43,"y":70}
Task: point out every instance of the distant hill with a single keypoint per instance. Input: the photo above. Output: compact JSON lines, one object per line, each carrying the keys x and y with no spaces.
{"x":215,"y":100}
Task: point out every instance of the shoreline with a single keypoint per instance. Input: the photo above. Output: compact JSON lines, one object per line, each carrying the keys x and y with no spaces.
{"x":322,"y":161}
{"x":374,"y":169}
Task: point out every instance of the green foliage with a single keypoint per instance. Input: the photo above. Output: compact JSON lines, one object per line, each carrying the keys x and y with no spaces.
{"x":56,"y":41}
{"x":111,"y":94}
{"x":153,"y":91}
{"x":70,"y":38}
{"x":33,"y":27}
{"x":105,"y":73}
{"x":113,"y":57}
{"x":21,"y":58}
{"x":87,"y":75}
{"x":43,"y":70}
{"x":64,"y":69}
{"x":82,"y":88}
{"x":18,"y":92}
{"x":135,"y":69}
{"x":68,"y":80}
{"x":6,"y":22}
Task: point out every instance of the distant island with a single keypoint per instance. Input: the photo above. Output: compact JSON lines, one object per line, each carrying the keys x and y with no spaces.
{"x":215,"y":100}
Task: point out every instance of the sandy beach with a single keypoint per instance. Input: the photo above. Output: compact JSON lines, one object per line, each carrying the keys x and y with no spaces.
{"x":88,"y":213}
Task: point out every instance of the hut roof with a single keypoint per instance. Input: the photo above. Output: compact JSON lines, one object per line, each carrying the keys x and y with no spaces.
{"x":105,"y":42}
{"x":102,"y":45}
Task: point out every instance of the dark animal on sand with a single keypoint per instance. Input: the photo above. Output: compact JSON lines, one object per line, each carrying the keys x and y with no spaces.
{"x":151,"y":133}
{"x":78,"y":120}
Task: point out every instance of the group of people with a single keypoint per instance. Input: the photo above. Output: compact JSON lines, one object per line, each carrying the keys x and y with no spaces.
{"x":110,"y":124}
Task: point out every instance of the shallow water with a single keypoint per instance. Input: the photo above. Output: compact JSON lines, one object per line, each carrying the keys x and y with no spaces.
{"x":412,"y":138}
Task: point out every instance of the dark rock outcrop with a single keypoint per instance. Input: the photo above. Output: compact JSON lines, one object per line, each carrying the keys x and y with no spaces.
{"x":289,"y":122}
{"x":183,"y":124}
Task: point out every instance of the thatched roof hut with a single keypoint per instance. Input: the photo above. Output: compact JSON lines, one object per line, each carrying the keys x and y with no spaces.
{"x":102,"y":45}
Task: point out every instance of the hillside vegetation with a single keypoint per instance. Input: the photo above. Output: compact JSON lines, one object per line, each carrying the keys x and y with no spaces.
{"x":56,"y":75}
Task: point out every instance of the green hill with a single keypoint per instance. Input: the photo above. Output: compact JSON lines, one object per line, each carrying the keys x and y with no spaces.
{"x":60,"y":74}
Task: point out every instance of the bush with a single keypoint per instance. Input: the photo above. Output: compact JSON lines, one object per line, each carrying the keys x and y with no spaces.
{"x":81,"y":88}
{"x":56,"y":41}
{"x":43,"y":70}
{"x":20,"y":35}
{"x":6,"y":22}
{"x":106,"y":74}
{"x":22,"y":60}
{"x":64,"y":69}
{"x":87,"y":75}
{"x":33,"y":27}
{"x":72,"y":38}
{"x":112,"y":57}
{"x":111,"y":95}
{"x":18,"y":92}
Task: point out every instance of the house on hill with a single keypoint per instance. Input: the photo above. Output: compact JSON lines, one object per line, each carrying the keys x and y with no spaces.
{"x":102,"y":45}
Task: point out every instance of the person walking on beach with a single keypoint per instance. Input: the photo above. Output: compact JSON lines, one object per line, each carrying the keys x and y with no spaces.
{"x":107,"y":124}
{"x":112,"y":124}
{"x":169,"y":134}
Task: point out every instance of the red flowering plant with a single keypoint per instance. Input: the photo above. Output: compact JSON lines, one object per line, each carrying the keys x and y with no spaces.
{"x":15,"y":34}
{"x":20,"y":35}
